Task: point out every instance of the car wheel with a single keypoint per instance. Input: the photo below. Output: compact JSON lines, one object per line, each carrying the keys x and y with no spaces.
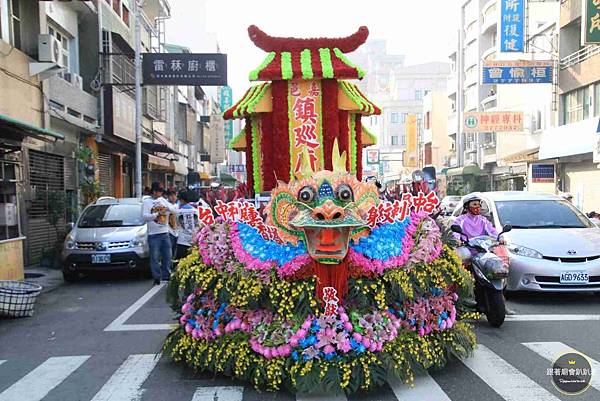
{"x":70,"y":276}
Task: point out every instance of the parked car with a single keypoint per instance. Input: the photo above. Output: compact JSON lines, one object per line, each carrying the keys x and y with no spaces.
{"x":552,"y":245}
{"x":109,"y":235}
{"x":448,"y":204}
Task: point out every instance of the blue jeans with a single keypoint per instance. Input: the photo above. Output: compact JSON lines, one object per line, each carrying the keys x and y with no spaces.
{"x":160,"y":249}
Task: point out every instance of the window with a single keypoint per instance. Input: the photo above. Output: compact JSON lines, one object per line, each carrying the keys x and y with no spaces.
{"x":125,"y":15}
{"x":117,"y":6}
{"x":63,"y":39}
{"x":403,"y":140}
{"x":540,"y":214}
{"x":403,"y":118}
{"x":418,"y":94}
{"x":15,"y":24}
{"x":394,"y":118}
{"x":427,"y":120}
{"x":577,"y":105}
{"x":597,"y":99}
{"x":394,"y":140}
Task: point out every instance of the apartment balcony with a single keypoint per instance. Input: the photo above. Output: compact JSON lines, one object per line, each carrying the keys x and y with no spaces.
{"x":489,"y":155}
{"x":489,"y":53}
{"x":490,"y":15}
{"x":69,"y":101}
{"x":471,"y":148}
{"x":491,"y":101}
{"x":570,"y":10}
{"x":580,"y":68}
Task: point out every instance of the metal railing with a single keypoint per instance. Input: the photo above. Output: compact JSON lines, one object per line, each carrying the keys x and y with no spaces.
{"x":579,"y":56}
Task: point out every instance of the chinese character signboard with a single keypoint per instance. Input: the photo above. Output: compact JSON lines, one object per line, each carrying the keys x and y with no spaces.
{"x":304,"y":98}
{"x":372,"y":156}
{"x":591,"y":25}
{"x":542,"y":173}
{"x":410,"y":155}
{"x":184,"y":69}
{"x":236,"y":168}
{"x":517,"y":72}
{"x":225,"y":100}
{"x":512,"y":20}
{"x":493,"y":121}
{"x":217,"y":145}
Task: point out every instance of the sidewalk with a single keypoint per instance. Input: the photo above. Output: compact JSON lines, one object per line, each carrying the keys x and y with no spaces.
{"x":49,"y":279}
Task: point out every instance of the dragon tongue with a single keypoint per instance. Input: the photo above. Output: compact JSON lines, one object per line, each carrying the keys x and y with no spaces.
{"x":328,"y":236}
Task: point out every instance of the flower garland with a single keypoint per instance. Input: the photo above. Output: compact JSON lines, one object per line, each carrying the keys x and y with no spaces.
{"x":256,"y":156}
{"x":326,"y":65}
{"x":306,"y":64}
{"x":286,"y":66}
{"x":254,"y":73}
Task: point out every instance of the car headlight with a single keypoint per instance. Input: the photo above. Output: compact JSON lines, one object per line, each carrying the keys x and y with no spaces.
{"x":136,"y":242}
{"x":70,"y":242}
{"x":524,"y":251}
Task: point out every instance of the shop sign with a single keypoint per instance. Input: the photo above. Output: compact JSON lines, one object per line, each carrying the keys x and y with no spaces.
{"x":305,"y":124}
{"x":493,"y":121}
{"x":512,"y":23}
{"x":372,"y":156}
{"x":591,"y":25}
{"x":193,"y":69}
{"x":225,"y":100}
{"x":517,"y":72}
{"x":542,"y":173}
{"x":217,"y":140}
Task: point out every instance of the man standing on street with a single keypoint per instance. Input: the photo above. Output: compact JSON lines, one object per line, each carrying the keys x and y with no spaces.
{"x":155,"y":212}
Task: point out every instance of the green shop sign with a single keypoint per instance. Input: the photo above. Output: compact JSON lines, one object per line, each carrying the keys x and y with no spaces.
{"x":591,"y":26}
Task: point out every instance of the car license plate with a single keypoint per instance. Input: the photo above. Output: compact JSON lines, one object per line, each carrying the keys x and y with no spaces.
{"x":101,"y":258}
{"x":574,"y":278}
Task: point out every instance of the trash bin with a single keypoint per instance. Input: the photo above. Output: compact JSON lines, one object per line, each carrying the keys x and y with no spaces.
{"x":17,"y":298}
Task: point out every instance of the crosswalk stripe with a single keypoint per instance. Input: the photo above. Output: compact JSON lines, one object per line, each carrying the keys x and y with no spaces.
{"x":2,"y":361}
{"x":230,"y":393}
{"x":505,"y":379}
{"x":553,"y":350}
{"x":425,"y":389}
{"x":125,"y":384}
{"x":321,"y":397}
{"x":40,"y":381}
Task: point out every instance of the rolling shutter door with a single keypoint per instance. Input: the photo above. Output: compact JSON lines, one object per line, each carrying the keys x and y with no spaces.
{"x":46,"y":177}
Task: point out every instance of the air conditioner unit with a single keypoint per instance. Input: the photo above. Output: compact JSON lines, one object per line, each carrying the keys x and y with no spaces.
{"x":48,"y":49}
{"x":77,"y":80}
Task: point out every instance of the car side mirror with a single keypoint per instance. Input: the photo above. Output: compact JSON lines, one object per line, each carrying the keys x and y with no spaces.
{"x":456,"y":229}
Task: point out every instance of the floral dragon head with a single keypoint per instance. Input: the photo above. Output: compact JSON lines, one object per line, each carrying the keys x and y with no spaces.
{"x":325,"y":209}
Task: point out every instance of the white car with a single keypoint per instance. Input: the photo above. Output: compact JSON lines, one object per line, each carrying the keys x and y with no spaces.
{"x":552,"y":245}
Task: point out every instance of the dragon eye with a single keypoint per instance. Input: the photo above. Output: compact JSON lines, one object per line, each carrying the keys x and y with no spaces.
{"x":344,"y":193}
{"x":306,"y":194}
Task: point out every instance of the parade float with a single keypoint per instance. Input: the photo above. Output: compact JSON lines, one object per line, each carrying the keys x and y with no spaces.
{"x":332,"y":289}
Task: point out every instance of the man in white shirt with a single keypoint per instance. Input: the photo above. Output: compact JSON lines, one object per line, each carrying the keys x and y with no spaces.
{"x":155,"y":212}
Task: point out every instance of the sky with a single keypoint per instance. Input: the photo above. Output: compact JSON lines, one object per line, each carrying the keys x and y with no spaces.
{"x":422,"y":30}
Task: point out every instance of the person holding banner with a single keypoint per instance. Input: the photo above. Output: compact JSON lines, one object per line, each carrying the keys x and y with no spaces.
{"x":187,"y":224}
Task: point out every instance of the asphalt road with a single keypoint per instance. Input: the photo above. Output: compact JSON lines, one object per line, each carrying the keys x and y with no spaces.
{"x":100,"y":339}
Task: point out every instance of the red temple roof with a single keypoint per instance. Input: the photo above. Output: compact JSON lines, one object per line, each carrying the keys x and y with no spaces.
{"x":317,"y":58}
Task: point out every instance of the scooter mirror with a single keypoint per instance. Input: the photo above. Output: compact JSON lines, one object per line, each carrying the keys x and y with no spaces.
{"x":506,"y":228}
{"x":456,"y":229}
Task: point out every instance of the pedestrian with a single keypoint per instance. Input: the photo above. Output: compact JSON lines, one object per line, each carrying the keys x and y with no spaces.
{"x":187,"y":224}
{"x":172,"y":198}
{"x":155,"y":212}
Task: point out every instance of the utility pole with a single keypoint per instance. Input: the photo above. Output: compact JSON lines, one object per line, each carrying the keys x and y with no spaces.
{"x":138,"y":98}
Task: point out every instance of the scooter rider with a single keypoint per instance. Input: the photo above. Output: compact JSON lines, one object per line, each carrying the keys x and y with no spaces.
{"x":472,"y":223}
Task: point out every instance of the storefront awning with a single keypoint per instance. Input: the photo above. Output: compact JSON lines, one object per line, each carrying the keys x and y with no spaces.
{"x":157,"y":148}
{"x":569,"y":140}
{"x":526,"y":155}
{"x":18,"y":130}
{"x":472,"y":169}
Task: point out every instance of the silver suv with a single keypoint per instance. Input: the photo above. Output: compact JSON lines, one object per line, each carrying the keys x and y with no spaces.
{"x":110,"y":234}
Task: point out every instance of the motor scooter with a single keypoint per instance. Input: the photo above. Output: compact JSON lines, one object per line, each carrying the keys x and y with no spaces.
{"x":489,"y":270}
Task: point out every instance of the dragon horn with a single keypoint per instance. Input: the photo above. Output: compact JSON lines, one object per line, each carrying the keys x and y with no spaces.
{"x":338,"y":161}
{"x":306,"y":170}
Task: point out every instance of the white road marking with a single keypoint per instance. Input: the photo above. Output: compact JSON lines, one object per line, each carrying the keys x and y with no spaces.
{"x":321,"y":397}
{"x":553,"y":350}
{"x":230,"y":393}
{"x":549,"y":318}
{"x":119,"y":323}
{"x":1,"y":362}
{"x":505,"y":379}
{"x":425,"y":389}
{"x":125,"y":384}
{"x":40,"y":381}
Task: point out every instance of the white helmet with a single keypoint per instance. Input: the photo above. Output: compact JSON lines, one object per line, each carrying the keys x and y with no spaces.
{"x":470,"y":198}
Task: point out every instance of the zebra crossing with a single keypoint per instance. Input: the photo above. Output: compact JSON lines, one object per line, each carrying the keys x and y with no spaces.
{"x":131,"y":381}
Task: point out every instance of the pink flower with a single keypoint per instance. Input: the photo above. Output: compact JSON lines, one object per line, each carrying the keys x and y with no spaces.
{"x":348,"y":326}
{"x":328,"y":349}
{"x":188,"y":328}
{"x":357,"y":337}
{"x":294,"y":342}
